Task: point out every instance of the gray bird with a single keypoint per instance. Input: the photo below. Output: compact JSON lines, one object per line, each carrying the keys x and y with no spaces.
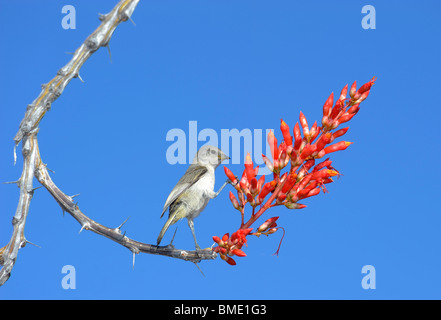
{"x":191,"y":194}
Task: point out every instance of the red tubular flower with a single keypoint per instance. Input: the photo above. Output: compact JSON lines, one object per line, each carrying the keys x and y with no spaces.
{"x":342,"y":145}
{"x":304,"y":124}
{"x":272,"y":141}
{"x":308,"y":150}
{"x":302,"y":194}
{"x":267,"y":188}
{"x":285,"y":132}
{"x":323,"y":141}
{"x":326,"y":163}
{"x":291,"y":180}
{"x":230,"y":175}
{"x":226,"y":237}
{"x":322,"y":174}
{"x":308,"y":164}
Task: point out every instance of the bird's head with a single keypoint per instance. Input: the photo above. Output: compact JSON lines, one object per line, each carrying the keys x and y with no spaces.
{"x":210,"y":155}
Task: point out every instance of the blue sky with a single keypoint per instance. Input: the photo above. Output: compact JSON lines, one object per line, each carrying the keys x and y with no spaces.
{"x":227,"y":65}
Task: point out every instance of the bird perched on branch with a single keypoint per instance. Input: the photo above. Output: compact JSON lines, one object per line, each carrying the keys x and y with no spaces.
{"x":191,"y":194}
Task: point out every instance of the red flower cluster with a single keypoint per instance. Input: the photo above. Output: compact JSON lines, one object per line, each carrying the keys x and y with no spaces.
{"x":230,"y":246}
{"x":304,"y":179}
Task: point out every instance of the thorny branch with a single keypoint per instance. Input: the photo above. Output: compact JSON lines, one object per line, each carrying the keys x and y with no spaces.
{"x":33,"y":165}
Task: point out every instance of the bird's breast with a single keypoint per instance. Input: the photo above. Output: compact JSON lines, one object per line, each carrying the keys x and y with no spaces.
{"x":198,"y":194}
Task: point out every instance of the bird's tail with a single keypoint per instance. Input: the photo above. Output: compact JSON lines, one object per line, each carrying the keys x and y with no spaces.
{"x":168,"y":223}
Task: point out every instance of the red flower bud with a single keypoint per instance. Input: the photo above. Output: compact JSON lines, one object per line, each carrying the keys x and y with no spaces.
{"x":285,"y":132}
{"x":313,"y":192}
{"x":230,"y":261}
{"x":345,"y":118}
{"x":337,"y":108}
{"x":339,"y":133}
{"x":226,"y":237}
{"x":314,"y":132}
{"x":268,"y":163}
{"x":328,"y":105}
{"x":354,"y":108}
{"x":297,"y":137}
{"x":291,"y":205}
{"x":281,"y":197}
{"x":216,"y":239}
{"x":353,"y":89}
{"x":230,"y":175}
{"x":367,"y":86}
{"x":234,"y":201}
{"x":343,"y":93}
{"x":260,"y":183}
{"x":272,"y":141}
{"x":267,"y":224}
{"x":249,"y":168}
{"x":304,"y":124}
{"x":238,"y":253}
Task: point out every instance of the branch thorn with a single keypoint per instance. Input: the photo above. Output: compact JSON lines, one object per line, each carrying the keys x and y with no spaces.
{"x":130,"y":18}
{"x":12,"y":182}
{"x":36,"y":245}
{"x":196,"y":264}
{"x":36,"y":189}
{"x":110,"y":53}
{"x":119,"y":227}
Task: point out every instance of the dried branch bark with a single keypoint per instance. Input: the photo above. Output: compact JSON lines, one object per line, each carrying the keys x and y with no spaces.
{"x":33,"y":165}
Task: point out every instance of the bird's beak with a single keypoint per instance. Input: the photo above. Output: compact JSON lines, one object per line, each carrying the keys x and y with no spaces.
{"x":223,"y":157}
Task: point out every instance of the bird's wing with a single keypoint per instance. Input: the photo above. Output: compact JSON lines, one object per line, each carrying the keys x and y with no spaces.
{"x":193,"y":174}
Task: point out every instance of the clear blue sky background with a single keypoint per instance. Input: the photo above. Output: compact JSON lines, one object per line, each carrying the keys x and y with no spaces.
{"x":228,"y":64}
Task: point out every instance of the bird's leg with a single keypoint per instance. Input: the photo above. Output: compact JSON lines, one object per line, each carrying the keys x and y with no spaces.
{"x":191,"y":225}
{"x":215,"y":194}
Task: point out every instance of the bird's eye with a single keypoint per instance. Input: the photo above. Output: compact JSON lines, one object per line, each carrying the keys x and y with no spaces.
{"x":213,"y":151}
